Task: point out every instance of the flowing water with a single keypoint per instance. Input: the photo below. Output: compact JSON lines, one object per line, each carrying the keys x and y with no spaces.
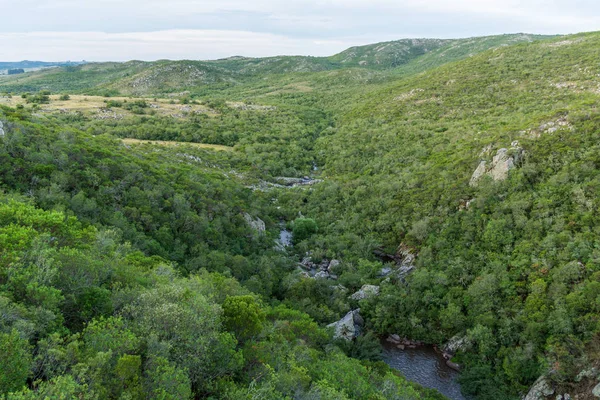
{"x":424,"y":366}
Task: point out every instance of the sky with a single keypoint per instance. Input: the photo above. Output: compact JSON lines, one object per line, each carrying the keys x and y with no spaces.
{"x":120,"y":30}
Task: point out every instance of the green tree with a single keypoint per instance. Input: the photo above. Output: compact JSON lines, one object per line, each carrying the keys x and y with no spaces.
{"x":303,"y":228}
{"x":15,"y":362}
{"x":243,"y":316}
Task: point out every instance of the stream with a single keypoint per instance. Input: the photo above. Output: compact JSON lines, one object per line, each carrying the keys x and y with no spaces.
{"x":424,"y":366}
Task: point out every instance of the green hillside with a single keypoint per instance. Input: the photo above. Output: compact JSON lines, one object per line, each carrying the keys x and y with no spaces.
{"x":153,"y":78}
{"x":458,"y":177}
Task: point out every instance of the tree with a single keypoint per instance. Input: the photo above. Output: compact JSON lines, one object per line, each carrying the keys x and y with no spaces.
{"x":243,"y":316}
{"x":303,"y":228}
{"x":15,"y":362}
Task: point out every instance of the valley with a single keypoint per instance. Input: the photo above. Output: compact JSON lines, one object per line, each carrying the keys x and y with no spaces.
{"x":254,"y":228}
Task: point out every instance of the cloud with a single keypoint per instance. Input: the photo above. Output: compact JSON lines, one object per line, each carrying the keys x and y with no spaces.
{"x":267,"y":26}
{"x":170,"y":44}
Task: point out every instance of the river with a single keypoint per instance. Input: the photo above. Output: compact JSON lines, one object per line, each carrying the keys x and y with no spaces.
{"x":424,"y":366}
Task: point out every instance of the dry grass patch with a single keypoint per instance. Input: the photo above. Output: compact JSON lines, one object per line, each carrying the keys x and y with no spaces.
{"x":217,"y":147}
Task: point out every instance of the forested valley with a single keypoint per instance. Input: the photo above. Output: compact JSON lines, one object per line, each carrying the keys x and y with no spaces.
{"x":441,"y":192}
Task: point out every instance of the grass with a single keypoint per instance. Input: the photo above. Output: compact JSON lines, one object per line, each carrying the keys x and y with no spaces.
{"x":174,"y":143}
{"x":95,"y":105}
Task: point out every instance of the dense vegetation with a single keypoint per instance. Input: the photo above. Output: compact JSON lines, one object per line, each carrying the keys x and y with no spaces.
{"x":136,"y":240}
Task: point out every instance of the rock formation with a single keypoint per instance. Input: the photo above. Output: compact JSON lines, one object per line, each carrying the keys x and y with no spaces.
{"x":255,"y":223}
{"x":540,"y":390}
{"x":348,"y":327}
{"x":504,"y":161}
{"x":365,"y":292}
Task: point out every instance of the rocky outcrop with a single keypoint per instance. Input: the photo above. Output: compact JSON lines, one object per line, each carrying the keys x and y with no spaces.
{"x":348,"y":327}
{"x":366,"y":292}
{"x":255,"y":223}
{"x":322,"y":270}
{"x":294,"y":182}
{"x":540,"y":390}
{"x":504,"y":161}
{"x":1,"y":128}
{"x":404,"y":260}
{"x":455,"y":344}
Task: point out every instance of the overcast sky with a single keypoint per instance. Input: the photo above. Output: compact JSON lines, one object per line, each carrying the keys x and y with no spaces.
{"x":99,"y":30}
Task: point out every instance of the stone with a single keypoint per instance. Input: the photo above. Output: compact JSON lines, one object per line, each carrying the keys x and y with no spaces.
{"x":322,"y":275}
{"x":307,"y":263}
{"x":504,"y":161}
{"x":1,"y":128}
{"x":255,"y":223}
{"x":395,"y":338}
{"x":478,"y":173}
{"x":596,"y":390}
{"x":540,"y":390}
{"x":346,"y":328}
{"x":332,"y":265}
{"x":455,"y":344}
{"x":586,"y":373}
{"x":453,"y":365}
{"x":365,"y":292}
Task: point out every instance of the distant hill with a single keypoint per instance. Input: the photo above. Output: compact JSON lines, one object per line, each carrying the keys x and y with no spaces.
{"x":26,"y":64}
{"x":165,"y":76}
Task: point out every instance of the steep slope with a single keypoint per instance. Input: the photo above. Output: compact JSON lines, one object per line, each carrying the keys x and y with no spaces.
{"x":510,"y":262}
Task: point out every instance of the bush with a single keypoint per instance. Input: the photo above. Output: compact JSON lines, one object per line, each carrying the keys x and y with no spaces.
{"x":303,"y":228}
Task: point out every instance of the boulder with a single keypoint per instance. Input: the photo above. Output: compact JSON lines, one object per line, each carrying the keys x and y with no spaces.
{"x":478,"y":173}
{"x":596,"y":390}
{"x":540,"y":390}
{"x":455,"y":344}
{"x":322,"y":275}
{"x":394,"y":338}
{"x":332,"y":265}
{"x":365,"y":292}
{"x":307,"y":263}
{"x":504,"y":161}
{"x":587,"y":373}
{"x":255,"y":223}
{"x":453,"y":365}
{"x":1,"y":128}
{"x":347,"y":328}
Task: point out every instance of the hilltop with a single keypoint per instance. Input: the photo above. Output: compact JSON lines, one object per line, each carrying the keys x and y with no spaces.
{"x":160,"y":77}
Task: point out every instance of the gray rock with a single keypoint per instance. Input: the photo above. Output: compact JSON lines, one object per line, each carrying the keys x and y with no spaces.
{"x":322,"y":275}
{"x":332,"y":265}
{"x":1,"y":128}
{"x":504,"y":161}
{"x":540,"y":390}
{"x":365,"y":292}
{"x":478,"y":173}
{"x":346,"y":328}
{"x":340,"y":288}
{"x":307,"y":263}
{"x":586,"y":373}
{"x":255,"y":223}
{"x":393,"y":339}
{"x":455,"y":344}
{"x":596,"y":390}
